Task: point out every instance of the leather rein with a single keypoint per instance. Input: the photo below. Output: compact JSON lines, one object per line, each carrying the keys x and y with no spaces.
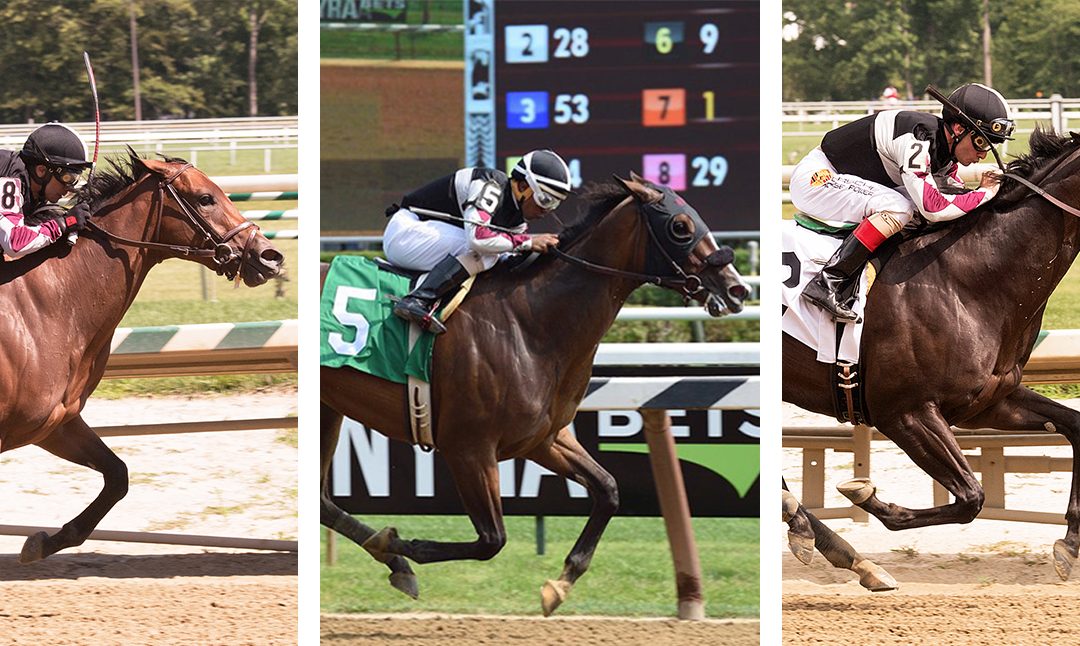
{"x":689,"y":284}
{"x":221,"y":252}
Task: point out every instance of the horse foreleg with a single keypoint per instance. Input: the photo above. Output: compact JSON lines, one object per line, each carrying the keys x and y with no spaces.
{"x":1025,"y":409}
{"x":335,"y":518}
{"x":927,"y":439}
{"x":477,"y":480}
{"x":567,"y":458}
{"x":76,"y":442}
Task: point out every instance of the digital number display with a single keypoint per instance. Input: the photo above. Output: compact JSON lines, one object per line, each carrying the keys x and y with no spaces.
{"x":666,"y":89}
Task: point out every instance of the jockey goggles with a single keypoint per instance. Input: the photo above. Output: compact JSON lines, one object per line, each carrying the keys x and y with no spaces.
{"x":543,"y":199}
{"x":69,"y":177}
{"x":1002,"y":128}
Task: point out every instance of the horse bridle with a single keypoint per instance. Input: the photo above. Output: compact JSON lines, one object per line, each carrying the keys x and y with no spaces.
{"x":689,"y":284}
{"x":221,"y":252}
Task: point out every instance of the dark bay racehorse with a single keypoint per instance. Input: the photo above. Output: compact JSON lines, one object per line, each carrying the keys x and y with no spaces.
{"x":514,"y":364}
{"x":63,"y":304}
{"x":950,"y":322}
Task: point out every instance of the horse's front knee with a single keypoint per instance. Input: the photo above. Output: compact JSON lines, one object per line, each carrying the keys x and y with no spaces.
{"x":969,"y":504}
{"x":116,"y":480}
{"x":607,"y":498}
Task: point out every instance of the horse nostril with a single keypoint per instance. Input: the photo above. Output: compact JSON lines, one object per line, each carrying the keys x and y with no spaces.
{"x":271,"y":256}
{"x":738,"y":292}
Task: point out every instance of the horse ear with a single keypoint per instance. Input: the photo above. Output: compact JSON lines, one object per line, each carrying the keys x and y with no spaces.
{"x":639,"y":190}
{"x":155,"y":166}
{"x":136,"y":161}
{"x":638,"y":178}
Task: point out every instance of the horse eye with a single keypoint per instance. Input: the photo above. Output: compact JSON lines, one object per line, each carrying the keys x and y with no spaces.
{"x":206,"y":200}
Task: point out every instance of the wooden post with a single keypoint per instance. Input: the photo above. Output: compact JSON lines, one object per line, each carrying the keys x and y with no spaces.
{"x":860,"y":437}
{"x":331,"y":547}
{"x":676,"y":510}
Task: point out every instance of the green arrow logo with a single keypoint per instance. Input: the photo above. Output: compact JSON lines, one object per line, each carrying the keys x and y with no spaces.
{"x":736,"y":463}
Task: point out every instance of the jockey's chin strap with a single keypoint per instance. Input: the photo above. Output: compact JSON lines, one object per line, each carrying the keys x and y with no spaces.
{"x":221,"y":252}
{"x":689,"y":284}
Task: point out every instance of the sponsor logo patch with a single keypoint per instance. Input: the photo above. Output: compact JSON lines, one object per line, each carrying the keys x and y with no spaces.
{"x":821,"y":177}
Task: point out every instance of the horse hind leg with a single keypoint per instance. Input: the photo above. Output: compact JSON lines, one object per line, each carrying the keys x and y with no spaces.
{"x":567,"y":458}
{"x":333,"y":517}
{"x":477,"y":480}
{"x":76,"y":442}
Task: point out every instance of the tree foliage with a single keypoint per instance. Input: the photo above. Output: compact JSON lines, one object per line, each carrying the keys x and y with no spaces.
{"x":193,"y":58}
{"x":852,"y":50}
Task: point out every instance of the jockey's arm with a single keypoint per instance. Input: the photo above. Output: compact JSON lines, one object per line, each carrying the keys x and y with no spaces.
{"x":18,"y":239}
{"x":935,"y":205}
{"x":482,"y":201}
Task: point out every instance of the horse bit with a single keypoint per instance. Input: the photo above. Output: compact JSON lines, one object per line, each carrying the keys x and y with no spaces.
{"x":221,"y":252}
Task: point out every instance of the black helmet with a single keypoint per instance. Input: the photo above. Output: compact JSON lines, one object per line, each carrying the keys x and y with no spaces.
{"x":548,"y":176}
{"x":985,"y":106}
{"x":55,"y":144}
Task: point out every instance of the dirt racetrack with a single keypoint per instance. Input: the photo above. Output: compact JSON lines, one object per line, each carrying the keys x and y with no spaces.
{"x":229,"y":484}
{"x":988,"y":582}
{"x":458,"y":630}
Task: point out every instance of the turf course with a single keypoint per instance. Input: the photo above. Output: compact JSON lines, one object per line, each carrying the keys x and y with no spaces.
{"x":631,"y":573}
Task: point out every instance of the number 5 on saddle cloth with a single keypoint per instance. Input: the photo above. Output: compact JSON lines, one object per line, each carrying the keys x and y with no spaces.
{"x":358,"y":330}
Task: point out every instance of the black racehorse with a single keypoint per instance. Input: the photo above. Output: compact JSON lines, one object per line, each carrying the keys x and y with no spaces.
{"x":950,"y":322}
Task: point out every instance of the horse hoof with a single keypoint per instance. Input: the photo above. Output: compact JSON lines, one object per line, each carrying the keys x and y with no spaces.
{"x":791,"y":505}
{"x":1063,"y":559}
{"x":34,"y":548}
{"x":873,"y":577}
{"x":802,"y":547}
{"x":406,"y":583}
{"x":552,"y":594}
{"x":379,"y":543}
{"x":857,"y":490}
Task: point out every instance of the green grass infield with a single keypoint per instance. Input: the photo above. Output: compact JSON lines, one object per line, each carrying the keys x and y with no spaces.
{"x":631,"y":573}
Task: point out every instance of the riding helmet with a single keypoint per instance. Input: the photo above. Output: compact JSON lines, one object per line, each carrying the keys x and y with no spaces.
{"x":545,"y":169}
{"x":985,"y":106}
{"x":56,"y":145}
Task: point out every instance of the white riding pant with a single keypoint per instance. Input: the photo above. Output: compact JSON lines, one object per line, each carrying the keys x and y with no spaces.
{"x":417,"y":244}
{"x":819,"y":191}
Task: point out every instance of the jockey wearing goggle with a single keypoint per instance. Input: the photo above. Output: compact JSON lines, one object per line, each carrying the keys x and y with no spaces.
{"x":50,"y":164}
{"x":459,"y":225}
{"x":871,"y":176}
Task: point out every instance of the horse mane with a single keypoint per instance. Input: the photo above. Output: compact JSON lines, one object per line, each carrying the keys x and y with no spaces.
{"x":597,"y":200}
{"x":123,"y":171}
{"x":1047,"y":147}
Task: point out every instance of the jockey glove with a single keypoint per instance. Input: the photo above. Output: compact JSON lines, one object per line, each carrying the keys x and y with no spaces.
{"x":75,"y":218}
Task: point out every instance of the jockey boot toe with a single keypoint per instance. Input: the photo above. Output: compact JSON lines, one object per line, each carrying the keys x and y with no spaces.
{"x":828,"y":301}
{"x":414,"y":310}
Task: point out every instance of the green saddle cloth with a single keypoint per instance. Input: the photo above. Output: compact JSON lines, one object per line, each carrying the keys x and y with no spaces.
{"x":358,"y":328}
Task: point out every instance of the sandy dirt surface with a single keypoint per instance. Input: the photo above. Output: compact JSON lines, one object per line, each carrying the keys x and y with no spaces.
{"x":458,"y":630}
{"x":988,"y":582}
{"x":228,"y":483}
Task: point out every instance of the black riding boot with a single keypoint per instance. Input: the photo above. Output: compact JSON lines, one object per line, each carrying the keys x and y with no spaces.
{"x":417,"y":307}
{"x":833,"y":289}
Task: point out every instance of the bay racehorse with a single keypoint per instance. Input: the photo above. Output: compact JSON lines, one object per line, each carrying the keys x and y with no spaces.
{"x":951,"y":320}
{"x":64,"y":303}
{"x":515,"y":362}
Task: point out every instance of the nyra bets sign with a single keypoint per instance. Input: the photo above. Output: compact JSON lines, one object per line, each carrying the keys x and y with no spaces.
{"x":718,"y":451}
